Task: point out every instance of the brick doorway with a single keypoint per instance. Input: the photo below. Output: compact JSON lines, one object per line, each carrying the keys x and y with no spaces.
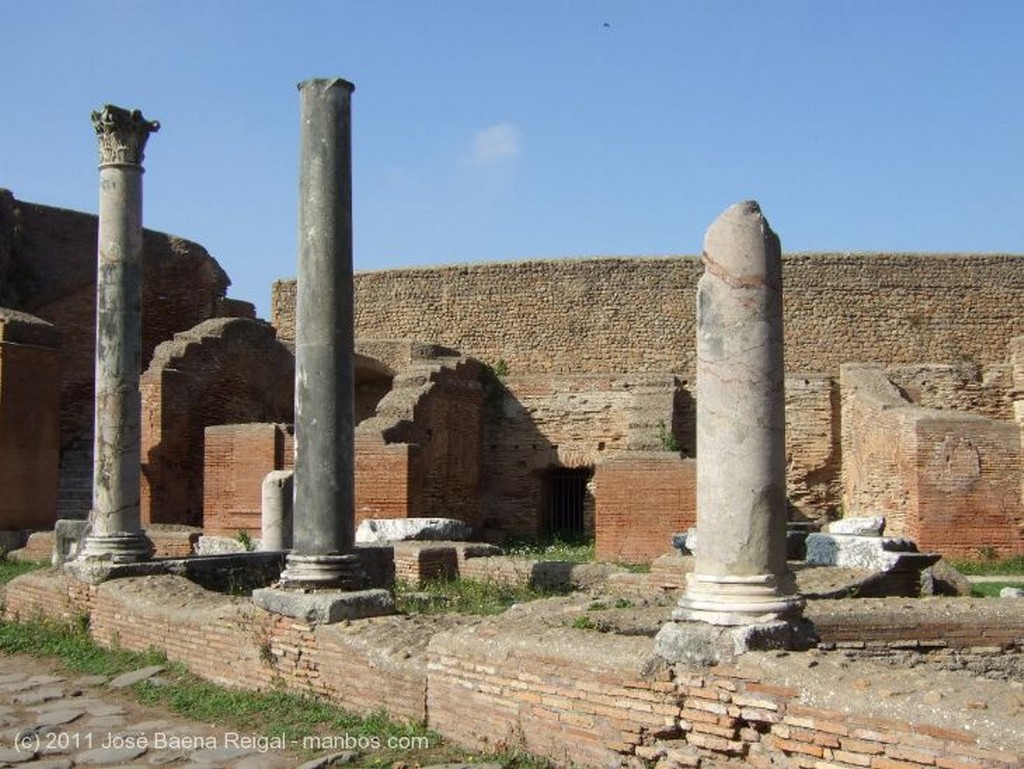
{"x":566,"y":495}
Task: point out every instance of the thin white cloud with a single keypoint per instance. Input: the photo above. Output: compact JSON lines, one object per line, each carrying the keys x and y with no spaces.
{"x":496,"y":143}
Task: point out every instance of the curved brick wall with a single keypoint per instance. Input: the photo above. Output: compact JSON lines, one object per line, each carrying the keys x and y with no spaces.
{"x":637,"y":314}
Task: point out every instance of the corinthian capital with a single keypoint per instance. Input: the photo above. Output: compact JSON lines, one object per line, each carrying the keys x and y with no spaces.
{"x":122,"y":134}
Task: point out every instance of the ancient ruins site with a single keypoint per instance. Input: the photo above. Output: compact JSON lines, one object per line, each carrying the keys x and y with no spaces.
{"x":774,"y":455}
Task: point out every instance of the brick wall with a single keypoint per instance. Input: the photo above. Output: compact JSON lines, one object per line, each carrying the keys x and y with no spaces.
{"x":813,"y":446}
{"x":879,"y":454}
{"x":960,"y":386}
{"x":236,"y":460}
{"x":573,"y":696}
{"x":599,"y":315}
{"x":238,"y":457}
{"x":365,"y":667}
{"x":387,"y":483}
{"x":950,"y":481}
{"x":643,"y":498}
{"x":535,"y":424}
{"x":968,"y":486}
{"x":29,"y":421}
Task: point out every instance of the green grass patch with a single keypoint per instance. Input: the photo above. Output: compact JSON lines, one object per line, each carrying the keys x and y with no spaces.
{"x":552,"y":548}
{"x":990,"y":566}
{"x":317,"y":726}
{"x":463,"y":596}
{"x":72,"y":645}
{"x":11,"y":569}
{"x":991,"y":589}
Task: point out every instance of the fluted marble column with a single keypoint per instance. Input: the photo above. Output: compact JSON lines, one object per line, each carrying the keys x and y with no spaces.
{"x":115,"y":531}
{"x":740,"y":575}
{"x":324,"y":509}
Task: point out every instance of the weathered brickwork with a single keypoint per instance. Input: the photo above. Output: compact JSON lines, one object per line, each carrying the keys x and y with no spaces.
{"x":813,"y":446}
{"x":571,"y":695}
{"x":536,"y":424}
{"x":365,"y":667}
{"x":236,"y":460}
{"x":969,"y":483}
{"x":223,"y":371}
{"x":48,"y":268}
{"x":879,"y":463}
{"x":29,"y":421}
{"x":950,"y":481}
{"x":643,"y":498}
{"x":388,"y":480}
{"x":629,"y":315}
{"x":957,"y":387}
{"x":435,"y":408}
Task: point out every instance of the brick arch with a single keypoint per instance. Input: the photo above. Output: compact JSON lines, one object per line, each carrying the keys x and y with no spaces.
{"x":222,"y":371}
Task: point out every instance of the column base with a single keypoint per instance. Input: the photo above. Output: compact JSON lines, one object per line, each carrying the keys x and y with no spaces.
{"x":116,"y":548}
{"x":325,"y":607}
{"x":323,"y":572}
{"x":731,"y":600}
{"x":704,"y":645}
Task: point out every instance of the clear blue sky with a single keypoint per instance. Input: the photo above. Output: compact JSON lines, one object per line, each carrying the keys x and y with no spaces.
{"x":489,"y":130}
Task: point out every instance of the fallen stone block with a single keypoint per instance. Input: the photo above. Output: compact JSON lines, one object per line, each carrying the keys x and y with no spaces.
{"x":858,"y":552}
{"x":863,"y":526}
{"x":401,"y":529}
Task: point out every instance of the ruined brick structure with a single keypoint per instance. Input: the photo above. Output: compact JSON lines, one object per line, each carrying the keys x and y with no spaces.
{"x":510,"y":395}
{"x":48,"y":269}
{"x":577,"y":336}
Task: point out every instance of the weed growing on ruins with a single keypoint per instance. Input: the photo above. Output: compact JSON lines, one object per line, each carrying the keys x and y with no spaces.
{"x":245,"y":540}
{"x":11,"y":569}
{"x":667,"y":439}
{"x":463,"y":596}
{"x":583,"y":622}
{"x":552,"y":548}
{"x":492,"y":379}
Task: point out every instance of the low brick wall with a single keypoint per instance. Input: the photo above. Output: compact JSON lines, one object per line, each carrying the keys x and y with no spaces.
{"x":577,"y":698}
{"x":512,"y":681}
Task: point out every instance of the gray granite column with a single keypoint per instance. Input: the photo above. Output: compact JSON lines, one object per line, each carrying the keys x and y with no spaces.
{"x":740,"y":575}
{"x":115,"y":532}
{"x":324,"y":508}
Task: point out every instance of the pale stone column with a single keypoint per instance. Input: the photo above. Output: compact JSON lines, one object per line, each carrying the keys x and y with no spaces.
{"x":276,"y":511}
{"x":324,"y":508}
{"x":115,"y":532}
{"x":740,"y":575}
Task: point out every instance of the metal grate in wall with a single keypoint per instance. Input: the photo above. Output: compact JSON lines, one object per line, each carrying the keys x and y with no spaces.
{"x":567,"y":491}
